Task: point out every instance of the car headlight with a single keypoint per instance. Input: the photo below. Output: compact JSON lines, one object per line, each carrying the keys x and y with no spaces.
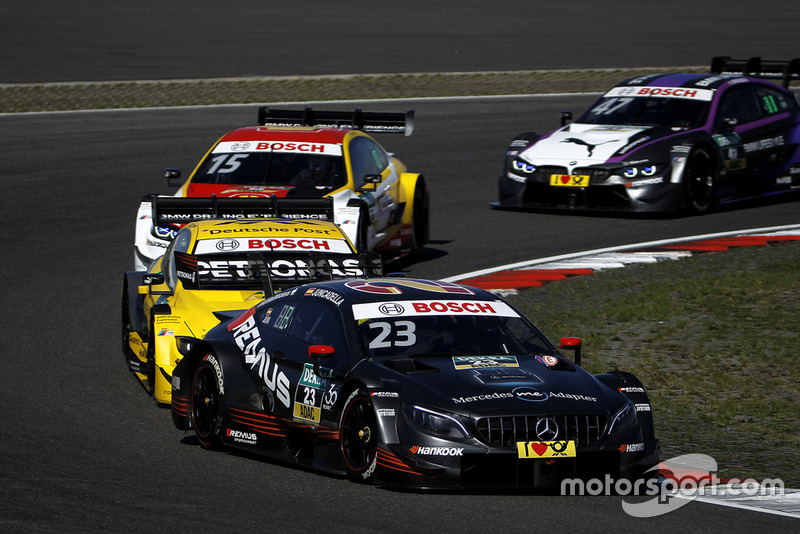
{"x":642,"y":171}
{"x":164,"y":232}
{"x":435,"y":423}
{"x":624,"y":420}
{"x":522,"y":167}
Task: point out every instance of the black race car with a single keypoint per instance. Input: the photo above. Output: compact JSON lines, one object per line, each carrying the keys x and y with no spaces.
{"x":409,"y":383}
{"x":666,"y":142}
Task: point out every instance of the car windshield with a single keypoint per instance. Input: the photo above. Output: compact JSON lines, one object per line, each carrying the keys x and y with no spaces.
{"x":322,"y":173}
{"x":647,"y":111}
{"x":450,"y":335}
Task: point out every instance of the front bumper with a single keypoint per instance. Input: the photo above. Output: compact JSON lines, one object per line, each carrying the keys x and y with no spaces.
{"x":470,"y":467}
{"x":658,"y":194}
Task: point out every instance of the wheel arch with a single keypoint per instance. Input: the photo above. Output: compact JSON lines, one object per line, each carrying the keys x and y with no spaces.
{"x":408,"y":185}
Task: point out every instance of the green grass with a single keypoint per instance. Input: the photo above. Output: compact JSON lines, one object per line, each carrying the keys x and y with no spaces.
{"x":215,"y":91}
{"x":713,"y":337}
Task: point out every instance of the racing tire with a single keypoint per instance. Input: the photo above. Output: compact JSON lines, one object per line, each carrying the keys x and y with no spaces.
{"x":206,"y":405}
{"x":358,"y":437}
{"x":421,"y":217}
{"x":363,"y":227}
{"x":699,"y":181}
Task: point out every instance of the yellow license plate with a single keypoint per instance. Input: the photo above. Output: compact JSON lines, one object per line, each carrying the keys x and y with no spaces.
{"x":546,"y":449}
{"x":569,"y":180}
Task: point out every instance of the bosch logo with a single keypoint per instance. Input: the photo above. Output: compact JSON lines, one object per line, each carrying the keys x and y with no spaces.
{"x":240,"y":146}
{"x":227,"y":244}
{"x":530,"y":394}
{"x":546,"y":429}
{"x":391,"y":309}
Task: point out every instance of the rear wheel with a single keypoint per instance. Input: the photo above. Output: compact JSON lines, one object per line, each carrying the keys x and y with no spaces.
{"x":363,"y":228}
{"x":420,"y":217}
{"x":699,"y":181}
{"x":206,"y":406}
{"x":358,"y":437}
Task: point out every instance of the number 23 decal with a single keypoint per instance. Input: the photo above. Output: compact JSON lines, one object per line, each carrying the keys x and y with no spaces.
{"x":405,"y":335}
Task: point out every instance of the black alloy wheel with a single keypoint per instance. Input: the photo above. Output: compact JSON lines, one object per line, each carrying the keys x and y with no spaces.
{"x":699,"y":181}
{"x":205,"y":408}
{"x":358,"y":437}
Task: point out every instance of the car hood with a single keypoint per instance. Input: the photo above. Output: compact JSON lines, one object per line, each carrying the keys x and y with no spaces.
{"x":493,"y":385}
{"x":577,"y":145}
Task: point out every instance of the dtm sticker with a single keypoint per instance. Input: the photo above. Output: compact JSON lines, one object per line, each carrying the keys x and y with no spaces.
{"x":545,"y":449}
{"x":479,"y":362}
{"x":408,"y":308}
{"x":278,"y":146}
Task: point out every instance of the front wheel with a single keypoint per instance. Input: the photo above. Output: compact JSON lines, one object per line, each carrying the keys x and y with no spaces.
{"x":358,"y":437}
{"x":206,"y":409}
{"x":699,"y":181}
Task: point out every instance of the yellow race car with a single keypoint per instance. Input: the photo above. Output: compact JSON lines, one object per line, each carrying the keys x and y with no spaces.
{"x":213,"y":270}
{"x":305,"y":158}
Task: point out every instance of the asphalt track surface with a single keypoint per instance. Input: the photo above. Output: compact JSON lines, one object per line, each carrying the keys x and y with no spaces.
{"x":49,"y":40}
{"x":84,"y":449}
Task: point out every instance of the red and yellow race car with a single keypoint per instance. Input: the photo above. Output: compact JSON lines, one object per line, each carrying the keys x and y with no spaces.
{"x":211,"y":271}
{"x":300,"y":155}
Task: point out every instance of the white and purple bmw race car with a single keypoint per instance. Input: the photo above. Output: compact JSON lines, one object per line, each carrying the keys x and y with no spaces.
{"x":666,"y":142}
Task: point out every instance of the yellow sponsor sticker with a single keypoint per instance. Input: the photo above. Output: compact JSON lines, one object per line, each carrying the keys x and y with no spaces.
{"x":305,"y":412}
{"x":569,"y":180}
{"x":546,"y":449}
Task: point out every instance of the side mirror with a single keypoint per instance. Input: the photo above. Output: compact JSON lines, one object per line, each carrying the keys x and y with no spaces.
{"x":573,"y":344}
{"x":566,"y":117}
{"x":173,"y":177}
{"x":728,"y":124}
{"x":373,"y":179}
{"x":316,"y":353}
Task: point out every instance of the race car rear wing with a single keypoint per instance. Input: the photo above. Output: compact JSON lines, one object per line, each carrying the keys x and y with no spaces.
{"x":177,"y":210}
{"x":271,"y":272}
{"x":786,"y":71}
{"x":368,"y":121}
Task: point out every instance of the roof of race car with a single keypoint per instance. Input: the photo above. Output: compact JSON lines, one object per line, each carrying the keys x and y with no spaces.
{"x":262,"y":235}
{"x":688,"y":80}
{"x":298,"y":134}
{"x":392,"y":290}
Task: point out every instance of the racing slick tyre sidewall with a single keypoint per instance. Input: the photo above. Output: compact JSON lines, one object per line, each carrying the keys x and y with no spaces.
{"x":205,"y":409}
{"x":699,"y":181}
{"x":420,"y":217}
{"x":358,"y":437}
{"x":363,"y":228}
